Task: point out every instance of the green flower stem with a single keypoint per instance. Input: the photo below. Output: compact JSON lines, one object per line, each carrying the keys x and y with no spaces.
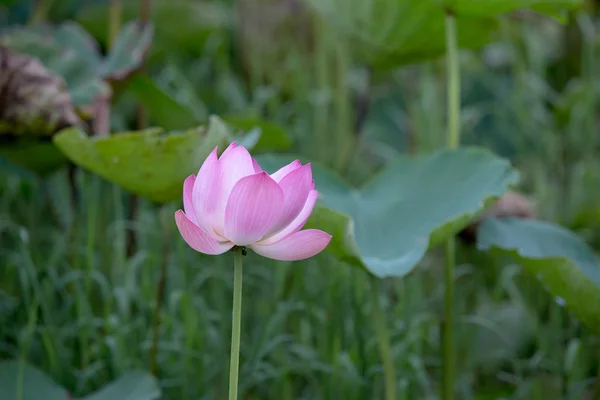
{"x":236,"y":322}
{"x":383,"y":339}
{"x":453,"y":88}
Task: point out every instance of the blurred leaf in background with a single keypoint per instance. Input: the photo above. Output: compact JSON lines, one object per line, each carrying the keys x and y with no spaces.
{"x":149,"y":163}
{"x":561,"y":261}
{"x":19,"y":380}
{"x":396,"y":218}
{"x":182,"y":26}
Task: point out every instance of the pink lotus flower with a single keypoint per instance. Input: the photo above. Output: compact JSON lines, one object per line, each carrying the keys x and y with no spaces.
{"x":233,"y":202}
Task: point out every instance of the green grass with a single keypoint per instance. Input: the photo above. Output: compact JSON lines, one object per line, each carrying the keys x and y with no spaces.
{"x":81,"y":311}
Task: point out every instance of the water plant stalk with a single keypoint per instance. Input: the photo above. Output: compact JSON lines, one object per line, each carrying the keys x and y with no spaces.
{"x":115,"y":13}
{"x":453,"y":99}
{"x":383,"y":339}
{"x":344,"y":139}
{"x":236,"y":323}
{"x":322,"y":61}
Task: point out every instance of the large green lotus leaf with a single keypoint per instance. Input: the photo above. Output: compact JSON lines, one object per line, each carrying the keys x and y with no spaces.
{"x":38,"y":156}
{"x":17,"y":378}
{"x":131,"y":386}
{"x":561,"y":260}
{"x":409,"y":206}
{"x":147,"y":163}
{"x":182,"y":24}
{"x":390,"y":33}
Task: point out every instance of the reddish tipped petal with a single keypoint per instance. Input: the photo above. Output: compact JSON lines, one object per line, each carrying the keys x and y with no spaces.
{"x":297,"y":246}
{"x":253,"y":207}
{"x":279,"y":175}
{"x":205,"y":193}
{"x":197,"y":238}
{"x":235,"y":163}
{"x":297,"y":223}
{"x":231,"y":146}
{"x":188,"y":207}
{"x":296,"y":186}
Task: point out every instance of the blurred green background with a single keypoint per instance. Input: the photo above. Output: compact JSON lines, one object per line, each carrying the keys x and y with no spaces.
{"x":351,"y":85}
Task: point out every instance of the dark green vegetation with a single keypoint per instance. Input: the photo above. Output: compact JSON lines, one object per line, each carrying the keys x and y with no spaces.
{"x":99,"y":292}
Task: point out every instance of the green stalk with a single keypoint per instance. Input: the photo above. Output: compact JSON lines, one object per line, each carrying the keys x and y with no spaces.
{"x":383,"y":339}
{"x":236,"y":322}
{"x":115,"y":12}
{"x":40,"y":11}
{"x":453,"y":88}
{"x":322,"y":60}
{"x":344,"y":135}
{"x":453,"y":82}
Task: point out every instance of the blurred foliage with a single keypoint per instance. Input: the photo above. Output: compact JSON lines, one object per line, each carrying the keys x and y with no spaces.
{"x":148,"y":163}
{"x":21,"y":381}
{"x":560,"y":260}
{"x":387,"y":39}
{"x":383,"y":245}
{"x":182,"y":26}
{"x":358,"y":87}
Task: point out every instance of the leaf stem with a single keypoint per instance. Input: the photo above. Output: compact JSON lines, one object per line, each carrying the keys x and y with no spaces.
{"x":344,"y":140}
{"x":236,"y":321}
{"x":383,"y":339}
{"x":321,"y":120}
{"x":453,"y":81}
{"x":115,"y":12}
{"x":145,"y":11}
{"x":453,"y":93}
{"x":40,"y":11}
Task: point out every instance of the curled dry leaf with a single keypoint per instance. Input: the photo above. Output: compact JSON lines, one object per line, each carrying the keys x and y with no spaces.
{"x":512,"y":204}
{"x":32,"y":99}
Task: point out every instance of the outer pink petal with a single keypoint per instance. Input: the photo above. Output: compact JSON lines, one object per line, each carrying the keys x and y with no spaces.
{"x":283,"y":171}
{"x":231,"y":146}
{"x":297,"y":246}
{"x":296,"y":186}
{"x":297,"y":223}
{"x":188,"y":207}
{"x":257,"y":167}
{"x":205,"y":193}
{"x":197,"y":238}
{"x":253,"y":206}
